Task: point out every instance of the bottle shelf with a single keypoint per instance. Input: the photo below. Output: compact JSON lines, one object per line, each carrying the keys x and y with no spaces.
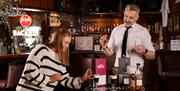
{"x":104,"y":14}
{"x":119,"y":14}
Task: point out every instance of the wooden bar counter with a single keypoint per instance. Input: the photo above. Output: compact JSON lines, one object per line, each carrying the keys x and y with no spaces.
{"x":12,"y":56}
{"x":152,"y":78}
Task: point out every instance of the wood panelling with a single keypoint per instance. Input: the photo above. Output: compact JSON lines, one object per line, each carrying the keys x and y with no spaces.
{"x":70,"y":6}
{"x":39,"y":4}
{"x":174,"y":7}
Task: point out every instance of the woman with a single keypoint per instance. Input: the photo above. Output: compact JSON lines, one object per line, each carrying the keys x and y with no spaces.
{"x":45,"y":66}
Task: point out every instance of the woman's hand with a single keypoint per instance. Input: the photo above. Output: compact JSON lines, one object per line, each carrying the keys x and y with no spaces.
{"x":86,"y":75}
{"x":54,"y":78}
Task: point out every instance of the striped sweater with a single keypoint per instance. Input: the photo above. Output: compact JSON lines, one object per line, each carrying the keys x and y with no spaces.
{"x":41,"y":63}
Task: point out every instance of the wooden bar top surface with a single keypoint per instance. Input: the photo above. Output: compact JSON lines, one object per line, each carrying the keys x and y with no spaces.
{"x":10,"y":56}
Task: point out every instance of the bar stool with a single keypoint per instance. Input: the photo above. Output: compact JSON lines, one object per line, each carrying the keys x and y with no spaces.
{"x":14,"y":73}
{"x":164,"y":72}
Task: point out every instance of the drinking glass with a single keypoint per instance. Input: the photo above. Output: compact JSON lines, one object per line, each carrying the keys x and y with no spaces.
{"x":91,"y":84}
{"x":96,"y":79}
{"x":137,"y":41}
{"x":113,"y":81}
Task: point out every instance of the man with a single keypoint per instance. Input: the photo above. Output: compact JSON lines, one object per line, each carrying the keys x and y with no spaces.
{"x":139,"y":44}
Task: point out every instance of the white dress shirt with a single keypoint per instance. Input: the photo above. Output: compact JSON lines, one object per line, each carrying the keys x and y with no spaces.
{"x":136,"y":35}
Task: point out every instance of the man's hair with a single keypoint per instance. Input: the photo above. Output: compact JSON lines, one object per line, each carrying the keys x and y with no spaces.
{"x":133,"y":7}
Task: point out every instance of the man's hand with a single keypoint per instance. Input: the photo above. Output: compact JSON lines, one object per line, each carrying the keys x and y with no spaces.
{"x":139,"y":49}
{"x":103,"y":41}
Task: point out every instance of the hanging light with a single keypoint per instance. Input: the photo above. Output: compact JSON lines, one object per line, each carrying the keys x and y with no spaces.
{"x":2,"y":4}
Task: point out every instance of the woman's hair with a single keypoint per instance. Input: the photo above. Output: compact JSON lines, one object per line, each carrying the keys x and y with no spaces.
{"x":57,"y":45}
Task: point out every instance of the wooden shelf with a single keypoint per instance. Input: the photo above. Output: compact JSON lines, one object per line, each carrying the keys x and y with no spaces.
{"x":99,"y":33}
{"x":119,"y":14}
{"x":150,"y":13}
{"x":174,"y":33}
{"x":104,"y":14}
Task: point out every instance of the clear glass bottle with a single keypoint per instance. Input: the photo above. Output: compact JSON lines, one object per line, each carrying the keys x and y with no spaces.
{"x":12,"y":48}
{"x":161,"y":43}
{"x":96,"y":44}
{"x":139,"y":77}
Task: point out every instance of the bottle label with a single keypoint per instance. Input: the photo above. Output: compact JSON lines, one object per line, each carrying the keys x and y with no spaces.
{"x":161,"y":45}
{"x":139,"y":82}
{"x":132,"y":83}
{"x":96,"y":47}
{"x":126,"y":81}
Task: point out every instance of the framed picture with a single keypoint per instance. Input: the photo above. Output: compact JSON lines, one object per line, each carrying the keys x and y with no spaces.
{"x":54,"y":20}
{"x":84,"y":43}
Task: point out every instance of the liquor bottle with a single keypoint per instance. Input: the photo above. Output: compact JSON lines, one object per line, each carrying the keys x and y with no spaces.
{"x":139,"y":76}
{"x":12,"y":48}
{"x":16,"y":46}
{"x":8,"y":46}
{"x":132,"y":81}
{"x":96,"y":44}
{"x":161,"y":43}
{"x":126,"y":78}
